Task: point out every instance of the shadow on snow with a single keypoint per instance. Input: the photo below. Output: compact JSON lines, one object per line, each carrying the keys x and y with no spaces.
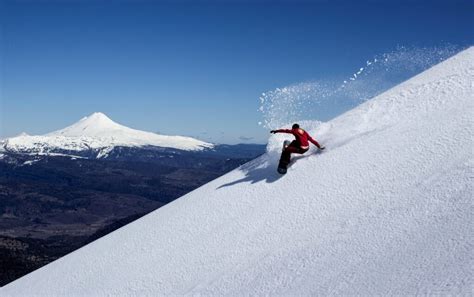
{"x":255,"y":172}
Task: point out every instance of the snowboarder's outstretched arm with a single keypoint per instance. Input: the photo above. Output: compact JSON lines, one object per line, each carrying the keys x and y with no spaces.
{"x":315,"y":143}
{"x":282,"y":131}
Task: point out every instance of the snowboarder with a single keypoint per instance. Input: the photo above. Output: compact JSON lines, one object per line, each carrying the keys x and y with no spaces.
{"x":298,"y":146}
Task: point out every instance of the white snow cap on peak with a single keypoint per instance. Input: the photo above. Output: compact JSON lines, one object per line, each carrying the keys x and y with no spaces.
{"x":96,"y":124}
{"x":97,"y":117}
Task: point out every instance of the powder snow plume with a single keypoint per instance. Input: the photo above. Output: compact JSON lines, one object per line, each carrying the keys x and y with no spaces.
{"x":325,"y":99}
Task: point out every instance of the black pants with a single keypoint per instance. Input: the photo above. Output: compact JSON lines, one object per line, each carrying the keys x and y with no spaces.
{"x":293,"y":148}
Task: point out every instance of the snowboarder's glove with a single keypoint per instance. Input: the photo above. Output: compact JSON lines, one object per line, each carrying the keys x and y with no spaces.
{"x":273,"y":131}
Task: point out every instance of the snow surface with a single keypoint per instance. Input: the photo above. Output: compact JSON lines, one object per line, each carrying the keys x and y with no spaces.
{"x":97,"y":132}
{"x":386,"y":210}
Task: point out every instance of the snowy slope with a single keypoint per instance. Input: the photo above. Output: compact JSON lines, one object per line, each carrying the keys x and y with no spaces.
{"x":100,"y":133}
{"x":385,"y":210}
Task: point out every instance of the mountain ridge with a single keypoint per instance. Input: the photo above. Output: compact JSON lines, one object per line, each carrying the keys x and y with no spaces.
{"x":99,"y":134}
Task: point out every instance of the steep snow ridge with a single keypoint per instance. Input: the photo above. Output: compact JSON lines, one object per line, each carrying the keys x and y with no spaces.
{"x":98,"y":132}
{"x":386,"y":210}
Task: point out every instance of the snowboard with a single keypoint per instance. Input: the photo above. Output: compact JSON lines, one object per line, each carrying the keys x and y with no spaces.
{"x":282,"y":167}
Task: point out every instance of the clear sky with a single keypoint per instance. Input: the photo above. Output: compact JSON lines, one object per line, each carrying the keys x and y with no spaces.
{"x":194,"y":68}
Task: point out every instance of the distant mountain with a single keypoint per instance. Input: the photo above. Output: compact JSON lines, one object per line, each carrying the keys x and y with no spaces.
{"x":96,"y":136}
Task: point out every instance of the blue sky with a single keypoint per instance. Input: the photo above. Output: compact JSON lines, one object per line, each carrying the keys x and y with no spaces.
{"x":194,"y":68}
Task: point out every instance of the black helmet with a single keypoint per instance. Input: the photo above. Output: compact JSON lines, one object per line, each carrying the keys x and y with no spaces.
{"x":295,"y":126}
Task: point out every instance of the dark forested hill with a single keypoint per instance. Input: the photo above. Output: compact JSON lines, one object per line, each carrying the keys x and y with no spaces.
{"x":52,"y":205}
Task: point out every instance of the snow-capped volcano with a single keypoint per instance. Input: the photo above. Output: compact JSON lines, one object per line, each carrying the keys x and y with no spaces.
{"x":94,"y":125}
{"x":97,"y":133}
{"x":385,"y":210}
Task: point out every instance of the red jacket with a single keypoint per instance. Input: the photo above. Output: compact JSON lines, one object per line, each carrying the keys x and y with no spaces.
{"x":302,"y":137}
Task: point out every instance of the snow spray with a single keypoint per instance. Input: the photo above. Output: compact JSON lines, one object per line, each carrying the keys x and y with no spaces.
{"x":324,"y":99}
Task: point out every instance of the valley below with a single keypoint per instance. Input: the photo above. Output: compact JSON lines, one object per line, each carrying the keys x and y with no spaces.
{"x":51,"y":205}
